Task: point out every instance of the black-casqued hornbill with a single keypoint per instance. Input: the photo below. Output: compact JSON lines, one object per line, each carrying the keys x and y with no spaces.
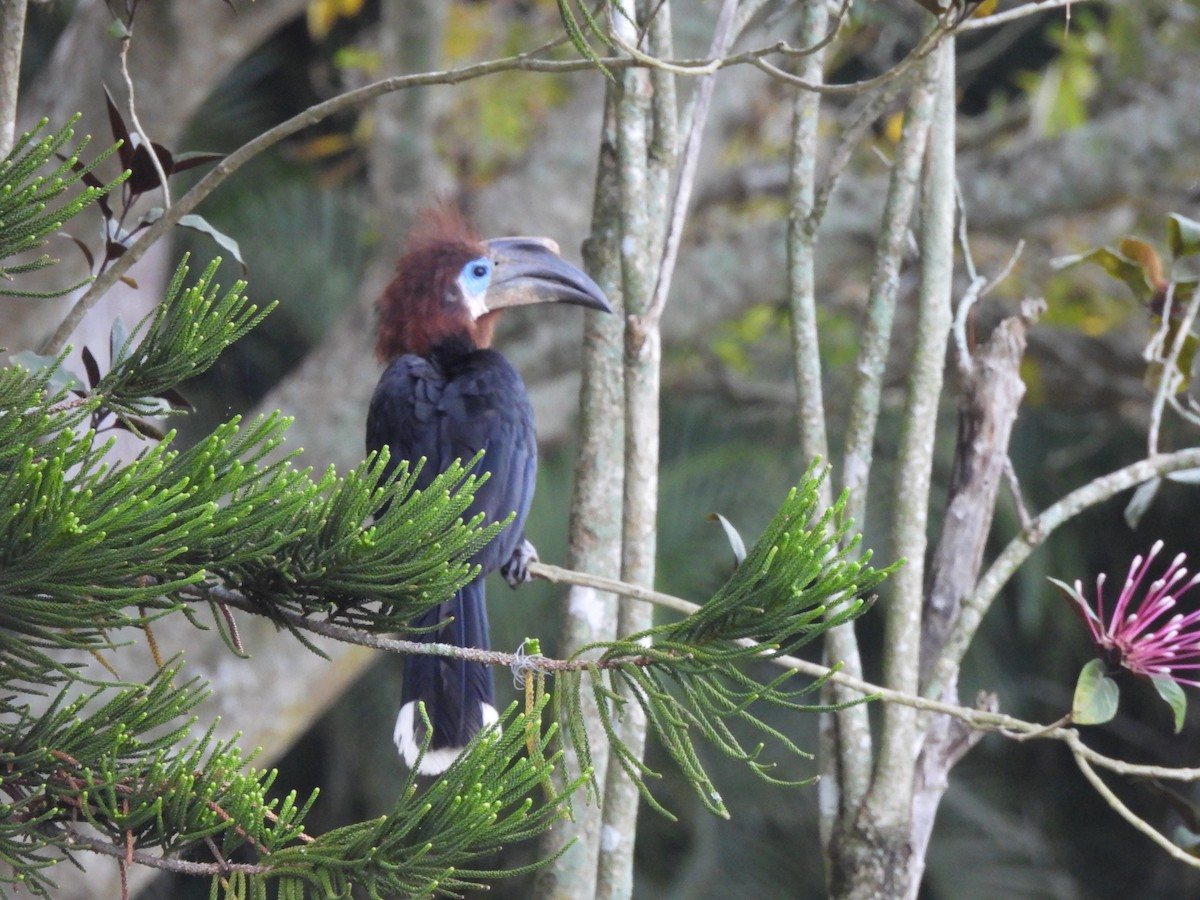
{"x":444,"y":396}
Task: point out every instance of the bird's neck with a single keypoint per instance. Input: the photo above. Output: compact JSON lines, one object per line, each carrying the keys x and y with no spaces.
{"x":437,"y":340}
{"x":452,"y":348}
{"x":477,"y":335}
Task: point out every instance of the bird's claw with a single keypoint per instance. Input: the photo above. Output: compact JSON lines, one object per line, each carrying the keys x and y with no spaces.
{"x":516,"y":570}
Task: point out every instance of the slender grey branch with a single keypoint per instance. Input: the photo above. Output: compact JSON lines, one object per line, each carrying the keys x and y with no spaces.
{"x":928,"y":43}
{"x":139,"y":129}
{"x":594,"y":529}
{"x":889,"y":803}
{"x":12,"y":36}
{"x":1019,"y":12}
{"x":557,"y":575}
{"x":848,"y":142}
{"x":163,"y":863}
{"x":1020,"y":547}
{"x":319,"y":112}
{"x":977,"y":718}
{"x":1170,"y":377}
{"x":347,"y":635}
{"x":1173,"y":849}
{"x":722,"y":38}
{"x":646,"y":133}
{"x":869,"y":368}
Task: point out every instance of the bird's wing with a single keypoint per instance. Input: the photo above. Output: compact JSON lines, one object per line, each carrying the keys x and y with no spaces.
{"x":420,"y":412}
{"x":404,"y":416}
{"x":485,"y":407}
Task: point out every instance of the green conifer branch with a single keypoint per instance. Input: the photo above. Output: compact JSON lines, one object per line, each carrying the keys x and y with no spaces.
{"x":181,"y":338}
{"x":28,"y":214}
{"x":90,"y":548}
{"x":110,"y":765}
{"x":691,"y":677}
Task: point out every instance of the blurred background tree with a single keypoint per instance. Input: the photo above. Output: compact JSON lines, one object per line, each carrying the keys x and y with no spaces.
{"x":1071,"y":134}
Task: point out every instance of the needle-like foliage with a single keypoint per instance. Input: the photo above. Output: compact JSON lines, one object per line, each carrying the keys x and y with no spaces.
{"x":34,"y":203}
{"x":692,"y":678}
{"x":91,"y":547}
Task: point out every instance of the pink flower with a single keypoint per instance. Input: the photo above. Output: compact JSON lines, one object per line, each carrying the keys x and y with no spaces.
{"x":1145,"y":637}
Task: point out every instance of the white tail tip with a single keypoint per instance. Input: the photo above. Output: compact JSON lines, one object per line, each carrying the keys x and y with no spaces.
{"x":435,"y":762}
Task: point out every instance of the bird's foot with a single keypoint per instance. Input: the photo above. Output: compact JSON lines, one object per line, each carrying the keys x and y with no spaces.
{"x":516,"y":570}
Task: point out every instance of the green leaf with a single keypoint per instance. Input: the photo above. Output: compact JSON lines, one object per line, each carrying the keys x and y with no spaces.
{"x":1183,"y":235}
{"x":1120,"y":267}
{"x":1141,"y":500}
{"x":731,"y":534}
{"x":61,"y":378}
{"x":1096,"y":695}
{"x":202,"y":225}
{"x":1168,"y":688}
{"x":1146,"y":257}
{"x":199,"y":223}
{"x":118,"y":337}
{"x":1073,"y":595}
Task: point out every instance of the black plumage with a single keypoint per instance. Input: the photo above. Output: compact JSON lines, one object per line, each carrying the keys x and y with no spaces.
{"x":444,"y":396}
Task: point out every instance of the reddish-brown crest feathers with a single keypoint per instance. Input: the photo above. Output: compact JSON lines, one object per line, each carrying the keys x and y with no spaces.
{"x":413,"y":313}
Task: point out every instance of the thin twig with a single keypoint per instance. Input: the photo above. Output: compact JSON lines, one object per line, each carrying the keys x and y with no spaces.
{"x":139,"y":129}
{"x":980,"y":719}
{"x":1133,"y":818}
{"x":848,"y":143}
{"x":1170,"y":376}
{"x":524,"y":62}
{"x":1018,"y":497}
{"x":924,"y":47}
{"x":557,"y":575}
{"x":722,"y":38}
{"x":1020,"y":547}
{"x":166,"y":864}
{"x":1009,"y":15}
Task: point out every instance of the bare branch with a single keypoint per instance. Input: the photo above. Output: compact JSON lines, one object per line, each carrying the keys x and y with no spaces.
{"x":1020,"y":547}
{"x":1010,"y":15}
{"x":722,"y":38}
{"x":163,"y":863}
{"x":1173,"y":849}
{"x":12,"y":36}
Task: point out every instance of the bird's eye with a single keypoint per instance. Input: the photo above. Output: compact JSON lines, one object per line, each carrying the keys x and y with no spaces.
{"x":477,"y":274}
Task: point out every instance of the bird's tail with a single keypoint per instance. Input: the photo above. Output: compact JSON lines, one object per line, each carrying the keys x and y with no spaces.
{"x":457,"y":694}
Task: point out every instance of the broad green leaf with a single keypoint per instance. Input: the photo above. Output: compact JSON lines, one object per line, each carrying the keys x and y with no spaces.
{"x":1096,"y":696}
{"x":1169,"y":689}
{"x":1183,"y":235}
{"x":199,"y":223}
{"x":1120,"y":267}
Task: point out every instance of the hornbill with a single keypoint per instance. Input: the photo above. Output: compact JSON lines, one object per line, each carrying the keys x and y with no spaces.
{"x":444,"y":396}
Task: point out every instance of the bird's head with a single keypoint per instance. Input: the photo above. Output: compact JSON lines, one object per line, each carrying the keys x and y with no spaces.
{"x":450,"y":285}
